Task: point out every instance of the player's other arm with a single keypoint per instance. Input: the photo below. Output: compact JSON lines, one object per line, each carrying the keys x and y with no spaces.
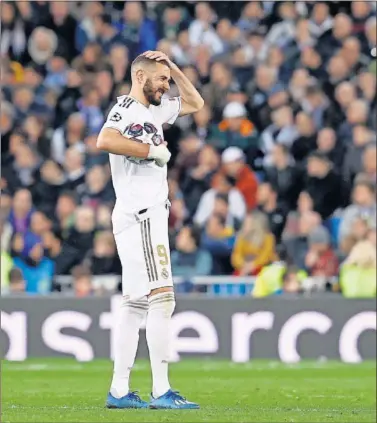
{"x":112,"y":141}
{"x":191,"y":100}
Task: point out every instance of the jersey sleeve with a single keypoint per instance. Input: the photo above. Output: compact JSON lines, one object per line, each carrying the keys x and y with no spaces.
{"x":168,"y":110}
{"x":118,"y":118}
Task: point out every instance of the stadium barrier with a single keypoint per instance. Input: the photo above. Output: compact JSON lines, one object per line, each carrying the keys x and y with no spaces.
{"x":284,"y":328}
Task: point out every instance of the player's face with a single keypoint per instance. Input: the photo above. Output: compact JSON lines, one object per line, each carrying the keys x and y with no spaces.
{"x":157,"y":84}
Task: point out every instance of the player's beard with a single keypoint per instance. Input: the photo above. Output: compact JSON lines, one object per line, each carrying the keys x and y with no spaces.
{"x":151,"y":94}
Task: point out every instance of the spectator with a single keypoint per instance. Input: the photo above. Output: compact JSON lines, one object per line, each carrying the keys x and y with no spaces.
{"x":362,"y":137}
{"x":103,"y":260}
{"x":320,"y":20}
{"x":106,"y":35}
{"x":120,"y":63}
{"x":371,"y":38}
{"x":201,"y":123}
{"x":187,"y":158}
{"x":258,"y":91}
{"x":42,"y":45}
{"x":239,"y":175}
{"x":85,"y":30}
{"x":369,"y":163}
{"x":282,"y":32}
{"x":363,"y":204}
{"x":254,"y":247}
{"x":216,"y":91}
{"x":63,"y":24}
{"x":16,"y":282}
{"x":98,"y":188}
{"x":281,"y":131}
{"x":22,"y":210}
{"x":90,"y":61}
{"x":29,"y":256}
{"x":82,"y":281}
{"x":224,"y":192}
{"x":341,"y":29}
{"x":278,"y":277}
{"x":324,"y":185}
{"x":358,"y":272}
{"x":65,"y":216}
{"x":307,"y":134}
{"x":334,"y":148}
{"x":320,"y":259}
{"x":361,"y":11}
{"x":218,"y":239}
{"x":284,"y":177}
{"x":70,"y":135}
{"x":139,"y":32}
{"x":67,"y":100}
{"x":198,"y":180}
{"x":298,"y":246}
{"x":252,"y":17}
{"x":235,"y":131}
{"x":78,"y":242}
{"x":268,"y":204}
{"x":49,"y":182}
{"x":73,"y":165}
{"x":201,"y":30}
{"x":93,"y":155}
{"x":13,"y":37}
{"x":189,"y":260}
{"x":173,"y":21}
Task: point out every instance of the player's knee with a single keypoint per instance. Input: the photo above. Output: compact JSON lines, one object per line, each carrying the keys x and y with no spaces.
{"x":163,"y":301}
{"x":139,"y":306}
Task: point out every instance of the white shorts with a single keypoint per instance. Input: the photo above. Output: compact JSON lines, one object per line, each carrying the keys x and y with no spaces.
{"x":143,"y":247}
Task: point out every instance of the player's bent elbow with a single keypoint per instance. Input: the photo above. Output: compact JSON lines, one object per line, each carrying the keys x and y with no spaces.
{"x":102,"y":141}
{"x":200,"y":104}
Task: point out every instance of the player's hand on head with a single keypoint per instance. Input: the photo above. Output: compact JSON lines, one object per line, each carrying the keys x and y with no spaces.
{"x":160,"y":154}
{"x":157,"y":56}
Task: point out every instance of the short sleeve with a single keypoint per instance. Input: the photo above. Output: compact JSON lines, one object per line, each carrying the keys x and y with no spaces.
{"x":168,"y":110}
{"x":117,"y":119}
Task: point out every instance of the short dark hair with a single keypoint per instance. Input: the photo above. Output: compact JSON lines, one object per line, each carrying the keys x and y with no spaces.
{"x":70,"y":194}
{"x":222,"y":197}
{"x":196,"y":234}
{"x":105,"y":18}
{"x":15,"y":275}
{"x":145,"y":62}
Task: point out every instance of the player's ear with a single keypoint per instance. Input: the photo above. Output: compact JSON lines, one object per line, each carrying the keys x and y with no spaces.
{"x":140,"y":76}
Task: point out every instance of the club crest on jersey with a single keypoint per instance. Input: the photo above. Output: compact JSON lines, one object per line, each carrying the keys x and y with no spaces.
{"x":150,"y":128}
{"x":135,"y":130}
{"x":165,"y":273}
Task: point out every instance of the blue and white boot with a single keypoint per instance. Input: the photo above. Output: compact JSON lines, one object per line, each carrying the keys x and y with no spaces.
{"x":171,"y":400}
{"x":131,"y":400}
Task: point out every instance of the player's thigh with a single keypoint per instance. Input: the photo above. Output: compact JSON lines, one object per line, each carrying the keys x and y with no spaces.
{"x":157,"y":240}
{"x":135,"y":275}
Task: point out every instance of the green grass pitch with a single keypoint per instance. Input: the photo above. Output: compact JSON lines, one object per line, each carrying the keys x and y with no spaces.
{"x":62,"y":390}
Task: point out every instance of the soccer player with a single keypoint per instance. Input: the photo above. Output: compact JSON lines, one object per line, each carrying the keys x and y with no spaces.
{"x":133,"y":137}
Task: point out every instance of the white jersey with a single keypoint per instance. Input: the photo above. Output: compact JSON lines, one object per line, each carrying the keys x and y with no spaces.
{"x":140,"y":184}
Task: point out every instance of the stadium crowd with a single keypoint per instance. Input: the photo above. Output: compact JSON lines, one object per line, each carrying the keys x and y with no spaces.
{"x":275,"y":177}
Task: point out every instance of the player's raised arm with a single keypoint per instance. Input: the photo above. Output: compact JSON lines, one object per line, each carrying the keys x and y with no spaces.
{"x":191,"y":100}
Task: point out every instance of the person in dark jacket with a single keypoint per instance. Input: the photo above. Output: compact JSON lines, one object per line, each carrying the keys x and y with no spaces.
{"x":268,"y":204}
{"x":324,"y":185}
{"x":306,"y":142}
{"x":284,"y":176}
{"x":334,"y":148}
{"x":50,"y":182}
{"x":78,"y":243}
{"x":189,"y":259}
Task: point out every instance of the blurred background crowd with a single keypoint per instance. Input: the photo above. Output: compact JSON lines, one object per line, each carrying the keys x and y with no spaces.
{"x":274,"y":178}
